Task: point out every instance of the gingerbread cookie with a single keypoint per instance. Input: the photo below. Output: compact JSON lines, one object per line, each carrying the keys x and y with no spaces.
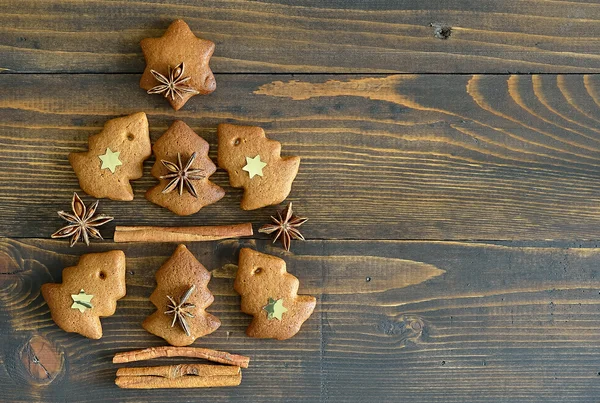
{"x":183,"y":168}
{"x":254,"y":163}
{"x":88,"y":292}
{"x":177,"y":65}
{"x":270,"y":294}
{"x":181,"y":297}
{"x":116,"y":156}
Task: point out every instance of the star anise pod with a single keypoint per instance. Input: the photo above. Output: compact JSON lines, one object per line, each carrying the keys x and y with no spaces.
{"x":181,"y":175}
{"x":285,"y":226}
{"x":82,"y":222}
{"x":174,"y":84}
{"x":180,"y":310}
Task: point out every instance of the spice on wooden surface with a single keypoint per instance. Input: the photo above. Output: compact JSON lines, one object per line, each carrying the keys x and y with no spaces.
{"x":154,"y":382}
{"x":193,"y":352}
{"x":285,"y":227}
{"x":179,"y":370}
{"x":181,"y":234}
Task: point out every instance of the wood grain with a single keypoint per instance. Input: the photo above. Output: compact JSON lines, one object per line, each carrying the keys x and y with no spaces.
{"x":333,"y":36}
{"x":448,"y":157}
{"x":397,"y":172}
{"x":488,"y":323}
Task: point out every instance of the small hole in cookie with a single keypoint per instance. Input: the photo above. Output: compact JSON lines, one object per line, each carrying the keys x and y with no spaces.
{"x":102,"y":275}
{"x":258,"y":271}
{"x":130,"y":137}
{"x":237,"y":142}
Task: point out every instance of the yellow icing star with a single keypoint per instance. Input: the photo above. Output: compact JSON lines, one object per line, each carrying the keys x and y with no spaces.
{"x":110,"y":160}
{"x":275,"y":309}
{"x":254,"y":166}
{"x":81,"y":301}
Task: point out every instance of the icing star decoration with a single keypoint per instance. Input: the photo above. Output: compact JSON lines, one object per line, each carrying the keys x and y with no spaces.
{"x":178,"y":47}
{"x":81,"y":301}
{"x":110,"y":160}
{"x":275,"y":309}
{"x":254,"y":166}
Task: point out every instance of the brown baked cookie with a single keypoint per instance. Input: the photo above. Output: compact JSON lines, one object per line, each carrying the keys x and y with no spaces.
{"x":88,"y":292}
{"x":270,"y":294}
{"x":177,"y":65}
{"x":254,"y":163}
{"x":116,"y":156}
{"x":183,"y":168}
{"x":181,"y":297}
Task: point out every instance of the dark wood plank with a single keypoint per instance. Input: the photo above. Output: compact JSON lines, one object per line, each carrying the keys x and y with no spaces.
{"x":333,"y":36}
{"x":391,"y":157}
{"x":436,"y":321}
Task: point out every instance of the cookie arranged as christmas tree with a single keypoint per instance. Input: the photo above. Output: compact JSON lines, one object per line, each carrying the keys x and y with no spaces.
{"x":183,"y":168}
{"x":254,"y":163}
{"x":177,"y":65}
{"x":181,"y":297}
{"x":88,"y":292}
{"x":270,"y":294}
{"x":114,"y":157}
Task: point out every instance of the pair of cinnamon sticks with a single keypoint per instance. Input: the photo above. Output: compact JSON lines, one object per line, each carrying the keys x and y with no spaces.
{"x":180,"y":375}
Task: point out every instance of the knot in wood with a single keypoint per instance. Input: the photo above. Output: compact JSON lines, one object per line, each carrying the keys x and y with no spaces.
{"x":407,"y":327}
{"x":42,"y":362}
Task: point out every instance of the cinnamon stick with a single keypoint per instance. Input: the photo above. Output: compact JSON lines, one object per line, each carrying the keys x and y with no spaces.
{"x":194,"y":352}
{"x":181,"y":234}
{"x":155,"y":382}
{"x":177,"y":371}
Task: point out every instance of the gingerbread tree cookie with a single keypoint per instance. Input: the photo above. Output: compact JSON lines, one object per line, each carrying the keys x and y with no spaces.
{"x":270,"y":294}
{"x":183,"y":168}
{"x":181,"y":297}
{"x":116,"y":155}
{"x":177,"y":65}
{"x":254,"y":163}
{"x":88,"y":292}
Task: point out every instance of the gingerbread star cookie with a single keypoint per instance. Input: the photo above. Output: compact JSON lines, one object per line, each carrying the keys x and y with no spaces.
{"x":177,"y":65}
{"x":88,"y":292}
{"x":270,"y":294}
{"x":114,"y":157}
{"x":183,"y":168}
{"x":254,"y":163}
{"x":181,"y":297}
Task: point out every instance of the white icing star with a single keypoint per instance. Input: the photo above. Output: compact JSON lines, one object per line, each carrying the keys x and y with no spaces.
{"x":110,"y":160}
{"x":254,"y":166}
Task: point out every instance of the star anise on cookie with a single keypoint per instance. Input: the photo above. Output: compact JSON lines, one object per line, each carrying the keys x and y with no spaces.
{"x":82,"y":223}
{"x":177,"y":45}
{"x":174,"y":83}
{"x":181,"y":175}
{"x":285,"y":225}
{"x":180,"y":310}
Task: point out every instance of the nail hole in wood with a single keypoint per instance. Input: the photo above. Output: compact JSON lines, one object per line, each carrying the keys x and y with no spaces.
{"x":441,"y":31}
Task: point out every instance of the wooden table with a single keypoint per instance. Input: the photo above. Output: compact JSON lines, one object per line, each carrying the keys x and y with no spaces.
{"x":450,"y":171}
